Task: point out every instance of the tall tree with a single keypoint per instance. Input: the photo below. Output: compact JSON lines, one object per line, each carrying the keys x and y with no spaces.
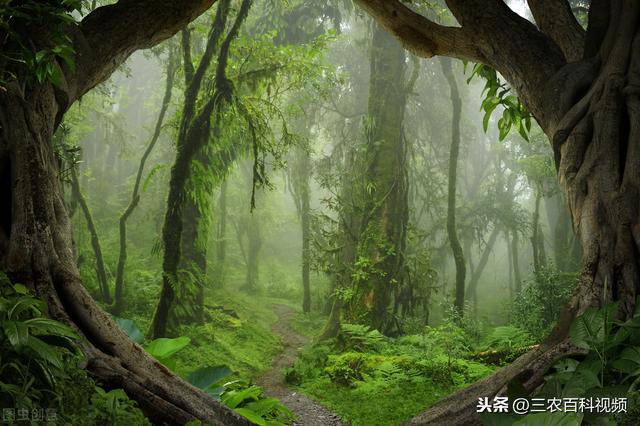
{"x":135,"y":193}
{"x":37,"y":248}
{"x":193,"y":134}
{"x":301,"y":192}
{"x":385,"y":213}
{"x":580,"y":87}
{"x":101,"y":270}
{"x":452,"y":232}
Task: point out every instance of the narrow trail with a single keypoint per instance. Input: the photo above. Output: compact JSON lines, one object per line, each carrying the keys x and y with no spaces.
{"x":308,"y":412}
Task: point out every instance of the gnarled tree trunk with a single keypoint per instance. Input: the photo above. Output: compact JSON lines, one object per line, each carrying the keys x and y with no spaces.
{"x":40,"y":255}
{"x":35,"y":231}
{"x":583,"y":89}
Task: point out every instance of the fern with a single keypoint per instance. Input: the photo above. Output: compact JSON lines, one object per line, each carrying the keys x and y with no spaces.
{"x":360,"y":338}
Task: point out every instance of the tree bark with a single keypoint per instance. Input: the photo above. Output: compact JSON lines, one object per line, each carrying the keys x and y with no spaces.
{"x":193,"y":135}
{"x":39,"y":250}
{"x":383,"y":235}
{"x":101,"y":271}
{"x":452,"y":232}
{"x":590,"y":111}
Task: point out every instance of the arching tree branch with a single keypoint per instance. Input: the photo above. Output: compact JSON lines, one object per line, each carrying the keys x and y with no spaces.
{"x":491,"y":33}
{"x":110,"y":34}
{"x":420,"y":35}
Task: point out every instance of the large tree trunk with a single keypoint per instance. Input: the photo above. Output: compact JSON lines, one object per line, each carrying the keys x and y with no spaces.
{"x":40,"y":255}
{"x":596,"y":143}
{"x":193,"y":134}
{"x":386,"y":207}
{"x":452,"y":232}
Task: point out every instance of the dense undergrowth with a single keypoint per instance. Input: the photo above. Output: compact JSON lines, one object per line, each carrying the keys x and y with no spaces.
{"x":369,"y":379}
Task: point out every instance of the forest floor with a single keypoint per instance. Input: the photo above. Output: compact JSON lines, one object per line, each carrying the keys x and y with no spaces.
{"x":307,"y":411}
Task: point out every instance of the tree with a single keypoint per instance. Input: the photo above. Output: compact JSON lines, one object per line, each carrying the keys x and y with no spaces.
{"x":36,"y":246}
{"x":135,"y":193}
{"x":581,"y":87}
{"x":452,"y":232}
{"x":193,"y":134}
{"x":382,"y":235}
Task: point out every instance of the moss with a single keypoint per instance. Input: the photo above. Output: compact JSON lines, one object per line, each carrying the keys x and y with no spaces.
{"x":245,"y":344}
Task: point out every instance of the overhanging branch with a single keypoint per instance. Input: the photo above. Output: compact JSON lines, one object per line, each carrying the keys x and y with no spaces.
{"x":420,"y":35}
{"x":491,"y":33}
{"x":110,"y":34}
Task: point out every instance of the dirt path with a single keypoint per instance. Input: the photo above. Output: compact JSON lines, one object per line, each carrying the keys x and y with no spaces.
{"x":308,"y":412}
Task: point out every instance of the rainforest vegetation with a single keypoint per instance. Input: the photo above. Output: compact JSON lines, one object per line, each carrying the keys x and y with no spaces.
{"x":340,"y":212}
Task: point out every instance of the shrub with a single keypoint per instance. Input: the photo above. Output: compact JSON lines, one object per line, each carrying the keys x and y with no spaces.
{"x":537,"y":306}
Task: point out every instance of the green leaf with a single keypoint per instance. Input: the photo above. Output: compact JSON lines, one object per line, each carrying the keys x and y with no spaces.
{"x":17,"y":332}
{"x":592,"y":328}
{"x":205,"y":377}
{"x":253,"y":417}
{"x":47,"y":352}
{"x":163,"y":347}
{"x":234,"y":398}
{"x":20,"y":289}
{"x":628,"y":361}
{"x":48,"y":326}
{"x":130,"y":328}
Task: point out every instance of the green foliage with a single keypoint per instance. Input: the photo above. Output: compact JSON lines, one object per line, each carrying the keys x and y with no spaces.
{"x":249,"y":401}
{"x":538,"y":305}
{"x":507,"y":338}
{"x":360,"y":338}
{"x":610,"y":368}
{"x":24,"y":57}
{"x":497,"y":93}
{"x":34,"y":349}
{"x":389,"y":380}
{"x":208,"y":379}
{"x":130,"y":328}
{"x":163,"y":349}
{"x":38,"y":358}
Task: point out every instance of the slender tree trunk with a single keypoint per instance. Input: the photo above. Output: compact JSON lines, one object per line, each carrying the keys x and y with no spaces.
{"x":135,"y":194}
{"x":101,"y":271}
{"x":482,"y":263}
{"x":254,"y":243}
{"x":299,"y":180}
{"x":452,"y":233}
{"x":507,"y":242}
{"x":221,"y":235}
{"x":537,"y":239}
{"x":306,"y":233}
{"x":515,"y":245}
